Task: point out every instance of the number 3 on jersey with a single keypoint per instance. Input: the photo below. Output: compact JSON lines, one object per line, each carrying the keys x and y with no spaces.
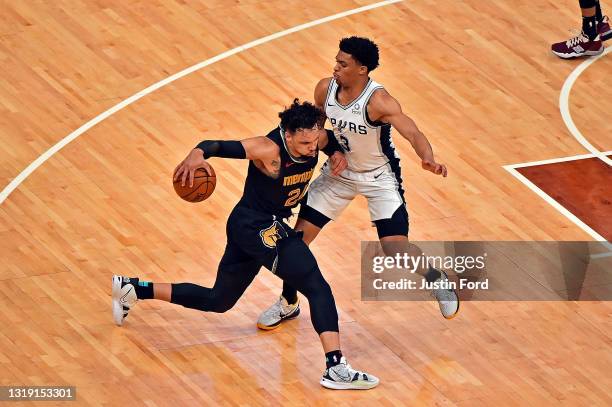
{"x":345,"y":143}
{"x":295,"y":195}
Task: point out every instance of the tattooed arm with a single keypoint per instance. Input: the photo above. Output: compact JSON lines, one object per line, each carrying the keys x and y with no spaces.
{"x":265,"y":155}
{"x":264,"y":152}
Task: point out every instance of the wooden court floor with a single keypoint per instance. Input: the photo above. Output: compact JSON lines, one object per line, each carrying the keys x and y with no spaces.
{"x":477,"y":77}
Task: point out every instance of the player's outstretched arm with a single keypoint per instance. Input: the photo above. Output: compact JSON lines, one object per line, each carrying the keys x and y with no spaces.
{"x":253,"y":148}
{"x":385,"y":108}
{"x":260,"y":148}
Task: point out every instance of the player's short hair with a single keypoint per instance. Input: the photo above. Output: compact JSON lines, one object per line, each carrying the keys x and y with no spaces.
{"x":303,"y":115}
{"x":363,"y":50}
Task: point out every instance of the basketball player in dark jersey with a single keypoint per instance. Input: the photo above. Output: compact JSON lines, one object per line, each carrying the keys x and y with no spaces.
{"x":281,"y":165}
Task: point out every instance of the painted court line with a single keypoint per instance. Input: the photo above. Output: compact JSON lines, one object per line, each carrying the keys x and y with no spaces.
{"x":564,"y":106}
{"x":556,"y":160}
{"x":75,"y":134}
{"x":601,"y":255}
{"x":571,"y":126}
{"x":558,"y":206}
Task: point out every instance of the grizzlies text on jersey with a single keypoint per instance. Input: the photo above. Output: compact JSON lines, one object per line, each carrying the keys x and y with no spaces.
{"x":277,"y":196}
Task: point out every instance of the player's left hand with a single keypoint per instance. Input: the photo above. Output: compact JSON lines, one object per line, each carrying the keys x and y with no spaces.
{"x":438,"y":169}
{"x":338,"y":163}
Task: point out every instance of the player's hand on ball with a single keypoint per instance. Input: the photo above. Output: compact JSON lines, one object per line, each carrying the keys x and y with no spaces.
{"x":338,"y":163}
{"x":187,"y":167}
{"x":438,"y":169}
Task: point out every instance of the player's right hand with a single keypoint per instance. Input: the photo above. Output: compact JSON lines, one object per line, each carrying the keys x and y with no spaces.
{"x":186,"y":169}
{"x":338,"y":163}
{"x":436,"y":168}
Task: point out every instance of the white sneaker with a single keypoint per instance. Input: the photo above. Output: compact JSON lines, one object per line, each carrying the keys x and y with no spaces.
{"x":280,"y":311}
{"x":447,"y":298}
{"x":124,"y":298}
{"x":344,"y":377}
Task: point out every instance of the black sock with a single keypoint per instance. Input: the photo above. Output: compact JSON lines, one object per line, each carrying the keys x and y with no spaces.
{"x":589,"y":27}
{"x":289,"y":293}
{"x":144,"y":289}
{"x":598,"y":12}
{"x":432,"y":275}
{"x":333,"y":358}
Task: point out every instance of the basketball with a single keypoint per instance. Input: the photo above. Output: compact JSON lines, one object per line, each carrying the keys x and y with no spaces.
{"x":203,"y":186}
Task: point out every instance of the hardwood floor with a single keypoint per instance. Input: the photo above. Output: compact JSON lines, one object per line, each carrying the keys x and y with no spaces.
{"x":477,"y":77}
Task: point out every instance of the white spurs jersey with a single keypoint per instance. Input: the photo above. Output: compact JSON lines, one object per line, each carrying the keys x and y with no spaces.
{"x":367,"y":145}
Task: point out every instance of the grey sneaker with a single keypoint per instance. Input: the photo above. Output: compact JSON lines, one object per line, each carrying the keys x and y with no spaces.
{"x":280,"y":311}
{"x":344,"y":377}
{"x":124,"y":298}
{"x":447,"y":297}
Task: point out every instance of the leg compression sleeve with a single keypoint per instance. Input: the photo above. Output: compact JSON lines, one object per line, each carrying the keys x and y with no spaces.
{"x":298,"y":267}
{"x":232,"y":281}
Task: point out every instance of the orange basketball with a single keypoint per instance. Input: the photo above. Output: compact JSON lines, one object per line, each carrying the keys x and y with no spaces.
{"x":203,"y":186}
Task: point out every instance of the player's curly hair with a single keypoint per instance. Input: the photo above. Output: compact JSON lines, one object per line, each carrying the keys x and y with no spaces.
{"x":363,"y":50}
{"x":303,"y":115}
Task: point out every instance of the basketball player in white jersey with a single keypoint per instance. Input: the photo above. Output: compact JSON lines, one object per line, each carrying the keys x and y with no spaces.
{"x":362,"y":113}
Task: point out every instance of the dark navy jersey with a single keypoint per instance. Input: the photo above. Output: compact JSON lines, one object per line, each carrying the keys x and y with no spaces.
{"x":277,"y":196}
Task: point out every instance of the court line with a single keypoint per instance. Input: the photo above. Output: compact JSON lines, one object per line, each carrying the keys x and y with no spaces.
{"x":564,"y":106}
{"x":75,"y":134}
{"x":571,"y":126}
{"x":601,"y":255}
{"x":557,"y":160}
{"x":558,"y":206}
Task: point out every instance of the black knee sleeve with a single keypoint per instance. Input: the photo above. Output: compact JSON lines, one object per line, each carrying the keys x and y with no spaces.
{"x":322,"y":304}
{"x":201,"y":298}
{"x":298,"y":267}
{"x":396,"y":225}
{"x":312,"y":215}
